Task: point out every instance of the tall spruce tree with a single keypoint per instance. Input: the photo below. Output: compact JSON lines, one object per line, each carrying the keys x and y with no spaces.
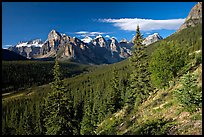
{"x":58,"y":108}
{"x":87,"y":125}
{"x":114,"y":99}
{"x":139,"y":85}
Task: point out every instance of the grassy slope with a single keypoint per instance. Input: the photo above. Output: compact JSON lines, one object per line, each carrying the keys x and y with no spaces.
{"x":161,"y":104}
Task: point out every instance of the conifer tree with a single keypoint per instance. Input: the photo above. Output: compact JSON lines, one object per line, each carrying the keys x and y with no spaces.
{"x":38,"y":126}
{"x":139,"y":85}
{"x":114,"y":99}
{"x":59,"y":108}
{"x":87,"y":127}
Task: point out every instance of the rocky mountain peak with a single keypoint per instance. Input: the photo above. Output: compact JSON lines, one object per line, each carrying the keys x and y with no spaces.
{"x":99,"y":41}
{"x":194,"y":17}
{"x":196,"y":12}
{"x":152,"y":38}
{"x":54,"y":35}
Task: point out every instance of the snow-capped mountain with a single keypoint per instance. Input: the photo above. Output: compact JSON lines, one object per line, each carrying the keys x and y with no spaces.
{"x":34,"y":43}
{"x":151,"y":39}
{"x":99,"y":41}
{"x":87,"y":39}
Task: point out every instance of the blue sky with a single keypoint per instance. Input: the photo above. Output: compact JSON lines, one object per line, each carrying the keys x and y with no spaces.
{"x":23,"y":21}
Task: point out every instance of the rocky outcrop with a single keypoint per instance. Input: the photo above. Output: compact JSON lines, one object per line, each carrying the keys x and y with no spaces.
{"x":193,"y":18}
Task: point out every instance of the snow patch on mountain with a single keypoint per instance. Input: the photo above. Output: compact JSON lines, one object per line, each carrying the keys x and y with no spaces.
{"x":87,"y":39}
{"x":151,"y":39}
{"x":33,"y":43}
{"x":99,"y":36}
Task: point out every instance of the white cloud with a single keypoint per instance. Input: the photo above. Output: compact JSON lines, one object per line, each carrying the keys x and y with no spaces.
{"x":107,"y":36}
{"x":81,"y":32}
{"x":148,"y":33}
{"x":87,"y":33}
{"x":130,"y":24}
{"x":6,"y":46}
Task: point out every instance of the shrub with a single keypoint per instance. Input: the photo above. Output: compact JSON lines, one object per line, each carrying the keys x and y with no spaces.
{"x":165,"y":63}
{"x":198,"y":58}
{"x":189,"y":95}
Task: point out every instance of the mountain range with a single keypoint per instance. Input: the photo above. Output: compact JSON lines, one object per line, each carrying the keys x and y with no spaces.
{"x":87,"y":50}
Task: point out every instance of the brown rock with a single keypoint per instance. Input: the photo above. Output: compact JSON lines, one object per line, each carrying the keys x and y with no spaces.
{"x":193,"y":18}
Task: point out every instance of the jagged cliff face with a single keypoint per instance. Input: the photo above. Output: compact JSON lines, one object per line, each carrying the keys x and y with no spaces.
{"x":194,"y":17}
{"x":50,"y":45}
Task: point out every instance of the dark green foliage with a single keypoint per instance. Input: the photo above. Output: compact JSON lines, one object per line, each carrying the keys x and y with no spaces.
{"x":21,"y":117}
{"x":58,"y":108}
{"x":87,"y":127}
{"x":189,"y":95}
{"x":198,"y":58}
{"x":154,"y":127}
{"x":114,"y":98}
{"x":188,"y":38}
{"x":24,"y":74}
{"x":139,"y":80}
{"x":165,"y":63}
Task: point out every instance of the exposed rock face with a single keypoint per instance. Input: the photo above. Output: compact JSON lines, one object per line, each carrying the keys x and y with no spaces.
{"x":151,"y":39}
{"x":54,"y":39}
{"x":113,"y":45}
{"x":194,"y":17}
